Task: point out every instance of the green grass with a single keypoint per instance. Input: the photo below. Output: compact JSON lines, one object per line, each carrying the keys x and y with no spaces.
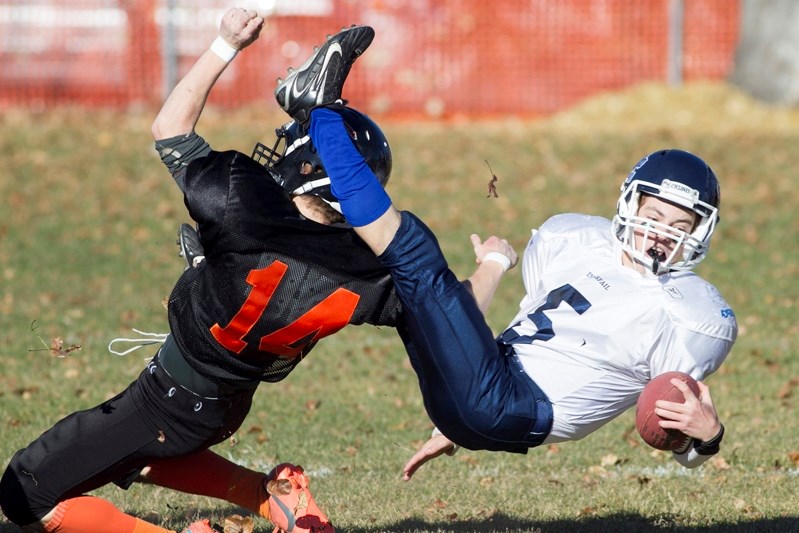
{"x":87,"y":228}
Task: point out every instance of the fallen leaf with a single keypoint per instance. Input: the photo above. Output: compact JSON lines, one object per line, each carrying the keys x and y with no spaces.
{"x":238,"y":524}
{"x":609,"y":460}
{"x":719,"y":463}
{"x":597,"y":470}
{"x":56,"y":344}
{"x":786,"y":391}
{"x":468,"y":459}
{"x":492,"y":184}
{"x":438,"y":503}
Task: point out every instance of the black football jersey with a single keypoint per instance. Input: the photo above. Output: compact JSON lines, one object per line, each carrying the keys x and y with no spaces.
{"x":272,"y":283}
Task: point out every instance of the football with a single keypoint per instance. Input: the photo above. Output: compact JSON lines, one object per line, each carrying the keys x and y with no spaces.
{"x":647,"y":422}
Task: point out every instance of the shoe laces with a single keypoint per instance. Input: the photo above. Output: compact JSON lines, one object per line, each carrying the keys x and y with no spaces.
{"x":147,"y":340}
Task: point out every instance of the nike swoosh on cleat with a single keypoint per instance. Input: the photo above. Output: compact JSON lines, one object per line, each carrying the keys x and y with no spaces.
{"x":335,"y":48}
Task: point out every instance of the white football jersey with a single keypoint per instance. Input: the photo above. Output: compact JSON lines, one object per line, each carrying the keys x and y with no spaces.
{"x":592,"y":332}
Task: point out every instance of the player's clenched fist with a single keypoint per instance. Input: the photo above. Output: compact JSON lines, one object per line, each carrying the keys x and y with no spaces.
{"x":240,"y":27}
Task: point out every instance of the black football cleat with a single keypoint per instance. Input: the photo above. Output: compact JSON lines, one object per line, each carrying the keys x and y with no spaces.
{"x":191,"y":249}
{"x":320,"y":80}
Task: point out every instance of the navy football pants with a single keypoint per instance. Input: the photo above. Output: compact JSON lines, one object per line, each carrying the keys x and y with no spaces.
{"x":474,"y":391}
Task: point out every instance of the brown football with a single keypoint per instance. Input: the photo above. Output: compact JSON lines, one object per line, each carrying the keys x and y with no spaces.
{"x":647,"y":422}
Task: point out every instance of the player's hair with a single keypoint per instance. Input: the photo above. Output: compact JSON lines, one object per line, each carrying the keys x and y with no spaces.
{"x":327,"y":214}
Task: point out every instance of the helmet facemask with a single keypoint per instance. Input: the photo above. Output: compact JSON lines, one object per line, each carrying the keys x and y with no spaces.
{"x":687,"y":249}
{"x":295,"y":165}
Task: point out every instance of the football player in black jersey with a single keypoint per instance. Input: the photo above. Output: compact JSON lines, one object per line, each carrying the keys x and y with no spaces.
{"x":279,"y":274}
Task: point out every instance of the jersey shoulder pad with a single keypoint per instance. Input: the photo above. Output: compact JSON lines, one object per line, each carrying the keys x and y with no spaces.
{"x":697,"y":304}
{"x":576,"y":227}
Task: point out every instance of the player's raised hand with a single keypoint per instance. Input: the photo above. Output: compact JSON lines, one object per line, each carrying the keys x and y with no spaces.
{"x":494,"y":245}
{"x":240,"y":27}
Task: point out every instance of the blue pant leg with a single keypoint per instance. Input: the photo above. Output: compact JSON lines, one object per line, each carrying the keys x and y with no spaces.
{"x":475,"y":394}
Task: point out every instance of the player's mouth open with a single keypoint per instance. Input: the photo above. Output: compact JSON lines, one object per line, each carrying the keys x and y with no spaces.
{"x":657,"y":254}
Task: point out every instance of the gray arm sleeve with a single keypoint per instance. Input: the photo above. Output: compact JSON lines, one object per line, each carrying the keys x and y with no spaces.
{"x":177,"y":152}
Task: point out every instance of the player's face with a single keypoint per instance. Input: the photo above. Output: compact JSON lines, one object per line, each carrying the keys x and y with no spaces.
{"x":673,"y":217}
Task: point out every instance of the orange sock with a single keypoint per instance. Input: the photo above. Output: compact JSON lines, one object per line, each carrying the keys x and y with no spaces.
{"x":87,"y":513}
{"x":208,"y":474}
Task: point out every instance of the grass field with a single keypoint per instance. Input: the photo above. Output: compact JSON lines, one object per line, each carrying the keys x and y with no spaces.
{"x":87,"y":226}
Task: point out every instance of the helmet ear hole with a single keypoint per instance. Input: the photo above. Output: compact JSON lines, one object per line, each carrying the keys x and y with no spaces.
{"x":306,"y":168}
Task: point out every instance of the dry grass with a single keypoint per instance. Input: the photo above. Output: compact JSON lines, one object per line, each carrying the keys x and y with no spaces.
{"x":86,"y":251}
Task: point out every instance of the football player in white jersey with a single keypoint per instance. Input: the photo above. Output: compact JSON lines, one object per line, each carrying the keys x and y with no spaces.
{"x":608,"y":305}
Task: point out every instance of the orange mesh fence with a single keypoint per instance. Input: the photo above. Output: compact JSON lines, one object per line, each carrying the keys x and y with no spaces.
{"x":430,"y":57}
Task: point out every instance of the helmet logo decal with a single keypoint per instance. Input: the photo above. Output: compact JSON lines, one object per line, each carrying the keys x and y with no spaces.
{"x":631,"y":175}
{"x":679,"y":189}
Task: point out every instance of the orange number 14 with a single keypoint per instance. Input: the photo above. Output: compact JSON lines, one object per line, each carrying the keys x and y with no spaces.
{"x":325,"y":318}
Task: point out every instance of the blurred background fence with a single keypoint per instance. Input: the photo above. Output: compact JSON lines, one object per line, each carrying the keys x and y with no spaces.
{"x":430,"y":57}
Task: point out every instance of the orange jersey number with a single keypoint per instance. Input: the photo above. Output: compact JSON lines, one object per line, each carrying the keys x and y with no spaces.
{"x":325,"y":318}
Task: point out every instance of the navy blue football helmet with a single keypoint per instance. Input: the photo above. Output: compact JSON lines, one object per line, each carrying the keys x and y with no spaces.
{"x":683,"y":179}
{"x":295,"y":164}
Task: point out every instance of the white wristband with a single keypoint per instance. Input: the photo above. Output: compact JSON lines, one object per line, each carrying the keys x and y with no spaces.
{"x":498,"y":258}
{"x":223,"y":49}
{"x":452,"y":451}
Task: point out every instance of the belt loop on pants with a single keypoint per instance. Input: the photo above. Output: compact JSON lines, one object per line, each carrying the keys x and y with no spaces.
{"x":174,"y":364}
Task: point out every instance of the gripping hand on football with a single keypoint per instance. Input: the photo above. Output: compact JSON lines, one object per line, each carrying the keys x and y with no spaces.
{"x":697,"y":417}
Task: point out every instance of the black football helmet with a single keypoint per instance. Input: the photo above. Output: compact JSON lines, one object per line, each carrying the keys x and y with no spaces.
{"x":295,"y":164}
{"x":683,"y":179}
